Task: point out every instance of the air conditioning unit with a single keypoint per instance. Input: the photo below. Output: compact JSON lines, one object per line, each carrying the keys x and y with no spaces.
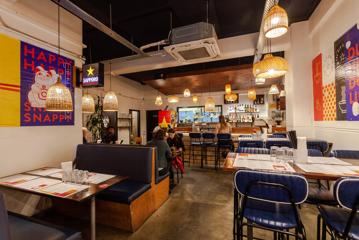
{"x":193,"y":43}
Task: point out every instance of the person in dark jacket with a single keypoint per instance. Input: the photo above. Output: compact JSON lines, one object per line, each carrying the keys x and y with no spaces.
{"x":174,"y":140}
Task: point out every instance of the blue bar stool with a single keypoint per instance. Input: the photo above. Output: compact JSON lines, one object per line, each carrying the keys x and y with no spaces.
{"x":224,"y":142}
{"x":195,"y":141}
{"x":208,"y":141}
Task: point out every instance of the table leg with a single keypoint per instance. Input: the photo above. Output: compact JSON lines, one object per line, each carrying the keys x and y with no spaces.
{"x":93,"y":218}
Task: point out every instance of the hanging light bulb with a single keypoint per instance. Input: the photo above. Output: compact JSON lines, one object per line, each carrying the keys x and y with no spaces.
{"x":228,"y":88}
{"x":110,"y":102}
{"x":210,"y":105}
{"x":260,"y":81}
{"x":187,"y":93}
{"x":273,"y":90}
{"x":252,"y":94}
{"x":275,"y":22}
{"x":270,"y":67}
{"x":173,"y":99}
{"x":58,"y":96}
{"x":195,"y":99}
{"x":88,"y":104}
{"x":158,"y":100}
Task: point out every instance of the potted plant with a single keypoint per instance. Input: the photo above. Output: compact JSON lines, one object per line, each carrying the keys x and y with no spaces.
{"x":95,"y":123}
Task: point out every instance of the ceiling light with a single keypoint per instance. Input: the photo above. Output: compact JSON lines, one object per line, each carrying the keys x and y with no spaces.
{"x":195,"y":99}
{"x":158,"y":101}
{"x":88,"y":104}
{"x":270,"y":67}
{"x":228,"y":88}
{"x":231,"y":97}
{"x":173,"y":99}
{"x":210,"y":105}
{"x":252,"y":94}
{"x":187,"y":93}
{"x":58,"y":98}
{"x":275,"y":22}
{"x":110,"y":102}
{"x":273,"y":90}
{"x":260,"y":81}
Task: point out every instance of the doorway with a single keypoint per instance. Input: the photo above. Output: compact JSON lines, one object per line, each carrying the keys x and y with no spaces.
{"x":135,"y":130}
{"x":151,"y":122}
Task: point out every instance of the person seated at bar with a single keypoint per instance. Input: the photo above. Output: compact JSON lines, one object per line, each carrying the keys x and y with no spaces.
{"x":164,"y":155}
{"x":223,"y":126}
{"x":109,"y":136}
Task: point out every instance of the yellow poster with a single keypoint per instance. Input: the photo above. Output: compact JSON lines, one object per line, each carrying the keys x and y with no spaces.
{"x":9,"y":81}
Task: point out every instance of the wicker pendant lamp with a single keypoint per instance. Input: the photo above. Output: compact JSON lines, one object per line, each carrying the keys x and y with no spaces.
{"x":210,"y":105}
{"x":273,"y":90}
{"x":275,"y":22}
{"x":231,"y":97}
{"x":252,"y":94}
{"x":270,"y":67}
{"x":158,"y":101}
{"x":110,"y":102}
{"x":228,"y":88}
{"x":195,"y":99}
{"x":88,"y":104}
{"x":58,"y":97}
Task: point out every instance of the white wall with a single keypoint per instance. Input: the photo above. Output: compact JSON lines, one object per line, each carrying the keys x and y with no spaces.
{"x":330,"y":21}
{"x":26,"y":148}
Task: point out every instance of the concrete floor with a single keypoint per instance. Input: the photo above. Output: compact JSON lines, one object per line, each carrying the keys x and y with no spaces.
{"x":200,"y":207}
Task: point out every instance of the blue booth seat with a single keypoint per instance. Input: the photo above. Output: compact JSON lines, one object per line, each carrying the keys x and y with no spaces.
{"x":279,"y":143}
{"x":251,"y":143}
{"x":253,"y":150}
{"x":319,"y":145}
{"x":279,"y":135}
{"x":350,"y":154}
{"x":17,"y":227}
{"x":315,"y":153}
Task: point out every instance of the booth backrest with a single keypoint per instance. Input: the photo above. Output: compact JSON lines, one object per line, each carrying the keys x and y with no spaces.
{"x":134,"y":162}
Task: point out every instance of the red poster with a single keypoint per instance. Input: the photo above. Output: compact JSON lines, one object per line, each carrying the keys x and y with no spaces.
{"x":317,"y":88}
{"x":164,"y":118}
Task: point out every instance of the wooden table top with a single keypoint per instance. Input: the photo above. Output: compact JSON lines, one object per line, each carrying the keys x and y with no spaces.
{"x":229,"y":161}
{"x":93,"y":189}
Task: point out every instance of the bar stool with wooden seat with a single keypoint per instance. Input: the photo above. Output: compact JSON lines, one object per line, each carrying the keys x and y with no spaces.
{"x":195,"y":141}
{"x":208,"y":142}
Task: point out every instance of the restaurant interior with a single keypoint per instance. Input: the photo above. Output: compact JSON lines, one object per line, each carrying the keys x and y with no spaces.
{"x":178,"y":119}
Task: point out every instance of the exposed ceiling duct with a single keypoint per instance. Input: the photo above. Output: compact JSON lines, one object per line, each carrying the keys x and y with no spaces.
{"x":75,"y":10}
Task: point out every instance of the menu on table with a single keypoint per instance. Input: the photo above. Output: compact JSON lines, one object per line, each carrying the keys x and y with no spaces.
{"x":16,"y":179}
{"x":262,"y":165}
{"x":327,"y":161}
{"x":329,"y":169}
{"x":63,"y":189}
{"x":45,"y":171}
{"x":259,"y":157}
{"x":97,"y":178}
{"x":38,"y":183}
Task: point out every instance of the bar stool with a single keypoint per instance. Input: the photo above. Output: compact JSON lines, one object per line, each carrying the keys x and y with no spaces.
{"x":224,"y":142}
{"x":208,"y":141}
{"x":195,"y":141}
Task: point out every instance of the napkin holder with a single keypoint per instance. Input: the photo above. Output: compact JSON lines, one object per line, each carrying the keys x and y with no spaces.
{"x":301,"y":153}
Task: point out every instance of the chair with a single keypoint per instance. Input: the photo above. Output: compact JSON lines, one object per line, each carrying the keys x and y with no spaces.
{"x":208,"y":141}
{"x":350,"y":154}
{"x":14,"y":226}
{"x":342,"y":223}
{"x":269,"y":201}
{"x":279,"y":143}
{"x":224,"y":142}
{"x":319,"y":145}
{"x":251,"y":143}
{"x":195,"y":141}
{"x":253,"y":150}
